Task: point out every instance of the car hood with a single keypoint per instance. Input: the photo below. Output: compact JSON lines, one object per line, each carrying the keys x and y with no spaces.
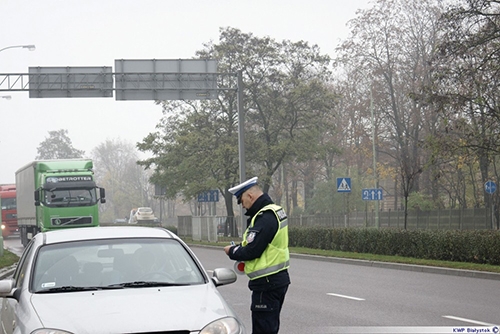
{"x":131,"y":310}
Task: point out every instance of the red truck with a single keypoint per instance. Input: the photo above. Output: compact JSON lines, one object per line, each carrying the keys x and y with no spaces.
{"x":9,"y":209}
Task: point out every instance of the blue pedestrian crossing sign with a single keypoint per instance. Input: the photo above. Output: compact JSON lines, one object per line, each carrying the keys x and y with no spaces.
{"x":344,"y":184}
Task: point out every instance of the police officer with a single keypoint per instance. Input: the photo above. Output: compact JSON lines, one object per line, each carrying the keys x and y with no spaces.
{"x":264,"y":250}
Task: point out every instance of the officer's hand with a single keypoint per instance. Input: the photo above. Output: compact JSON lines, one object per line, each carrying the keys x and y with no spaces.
{"x":227,"y":249}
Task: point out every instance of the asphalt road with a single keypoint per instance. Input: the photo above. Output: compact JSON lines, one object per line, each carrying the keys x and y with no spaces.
{"x":327,"y":294}
{"x":324,"y":295}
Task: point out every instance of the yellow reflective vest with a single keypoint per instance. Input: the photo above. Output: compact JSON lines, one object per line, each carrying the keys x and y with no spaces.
{"x":276,"y":256}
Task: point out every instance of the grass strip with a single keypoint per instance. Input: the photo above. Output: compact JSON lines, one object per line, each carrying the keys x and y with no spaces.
{"x":8,"y":259}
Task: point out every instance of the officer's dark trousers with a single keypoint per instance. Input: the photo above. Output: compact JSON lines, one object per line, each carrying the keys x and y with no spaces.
{"x":266,"y":308}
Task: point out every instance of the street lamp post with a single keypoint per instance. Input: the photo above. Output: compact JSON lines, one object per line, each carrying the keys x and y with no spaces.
{"x":29,"y":47}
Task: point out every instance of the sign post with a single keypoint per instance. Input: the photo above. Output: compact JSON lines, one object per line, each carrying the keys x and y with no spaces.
{"x":372,"y":194}
{"x":490,"y":187}
{"x":344,"y":186}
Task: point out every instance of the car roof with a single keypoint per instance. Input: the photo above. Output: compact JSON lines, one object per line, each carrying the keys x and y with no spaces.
{"x":104,"y":232}
{"x":144,"y":208}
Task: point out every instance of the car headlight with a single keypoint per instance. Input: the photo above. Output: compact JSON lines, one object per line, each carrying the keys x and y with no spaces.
{"x":49,"y":331}
{"x":227,"y":325}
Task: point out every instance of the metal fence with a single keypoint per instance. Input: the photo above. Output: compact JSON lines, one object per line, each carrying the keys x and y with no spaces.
{"x":464,"y":219}
{"x":211,"y":228}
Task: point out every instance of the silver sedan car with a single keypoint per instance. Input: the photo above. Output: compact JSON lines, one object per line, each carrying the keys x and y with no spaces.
{"x":117,"y":279}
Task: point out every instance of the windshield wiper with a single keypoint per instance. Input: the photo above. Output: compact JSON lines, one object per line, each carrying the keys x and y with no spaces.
{"x":69,"y":288}
{"x":142,"y":284}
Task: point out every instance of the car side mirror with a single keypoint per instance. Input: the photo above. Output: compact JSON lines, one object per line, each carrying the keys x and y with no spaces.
{"x":223,"y":276}
{"x":6,"y":288}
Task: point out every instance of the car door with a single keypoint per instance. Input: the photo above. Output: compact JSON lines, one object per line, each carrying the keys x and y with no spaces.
{"x":8,"y":318}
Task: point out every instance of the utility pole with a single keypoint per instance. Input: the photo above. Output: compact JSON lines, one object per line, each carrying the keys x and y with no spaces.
{"x":241,"y":142}
{"x":375,"y":176}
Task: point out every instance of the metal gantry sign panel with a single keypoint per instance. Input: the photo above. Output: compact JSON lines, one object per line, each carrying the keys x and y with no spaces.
{"x":156,"y":79}
{"x":140,"y":79}
{"x":70,"y":82}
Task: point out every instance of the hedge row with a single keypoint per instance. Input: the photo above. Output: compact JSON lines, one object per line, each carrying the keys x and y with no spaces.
{"x":476,"y":246}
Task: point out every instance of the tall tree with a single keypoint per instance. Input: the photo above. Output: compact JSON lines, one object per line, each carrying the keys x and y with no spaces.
{"x":286,"y":100}
{"x":58,"y":146}
{"x":466,"y":87}
{"x":391,"y":44}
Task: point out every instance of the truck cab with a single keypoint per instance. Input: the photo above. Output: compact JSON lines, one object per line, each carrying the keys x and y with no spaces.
{"x":68,"y":201}
{"x":57,"y":194}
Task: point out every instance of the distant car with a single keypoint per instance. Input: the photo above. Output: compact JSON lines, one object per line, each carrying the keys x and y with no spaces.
{"x":114,"y":279}
{"x":144,"y":215}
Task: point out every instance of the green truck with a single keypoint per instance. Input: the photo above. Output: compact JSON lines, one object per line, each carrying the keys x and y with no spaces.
{"x":56,"y":194}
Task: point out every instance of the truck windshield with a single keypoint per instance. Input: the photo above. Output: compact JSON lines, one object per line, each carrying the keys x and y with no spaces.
{"x":9,"y":203}
{"x":70,"y":197}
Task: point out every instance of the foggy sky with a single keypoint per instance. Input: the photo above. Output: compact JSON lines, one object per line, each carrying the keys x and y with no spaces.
{"x":96,"y":32}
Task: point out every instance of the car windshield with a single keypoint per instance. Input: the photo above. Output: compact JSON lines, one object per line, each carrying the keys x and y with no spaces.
{"x":113,"y":263}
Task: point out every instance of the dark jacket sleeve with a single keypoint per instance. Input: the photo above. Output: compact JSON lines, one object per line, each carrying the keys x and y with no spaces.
{"x":258,"y":237}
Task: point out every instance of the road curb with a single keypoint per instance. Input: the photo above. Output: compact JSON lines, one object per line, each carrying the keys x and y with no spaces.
{"x":7,"y":271}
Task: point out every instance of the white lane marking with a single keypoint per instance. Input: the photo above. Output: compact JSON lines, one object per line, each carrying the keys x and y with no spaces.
{"x":343,"y":296}
{"x":468,"y":320}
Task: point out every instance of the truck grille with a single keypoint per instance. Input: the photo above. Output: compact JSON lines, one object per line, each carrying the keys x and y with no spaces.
{"x":70,"y":221}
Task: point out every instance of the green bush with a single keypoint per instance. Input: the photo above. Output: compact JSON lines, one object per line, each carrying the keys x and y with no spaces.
{"x":475,"y":246}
